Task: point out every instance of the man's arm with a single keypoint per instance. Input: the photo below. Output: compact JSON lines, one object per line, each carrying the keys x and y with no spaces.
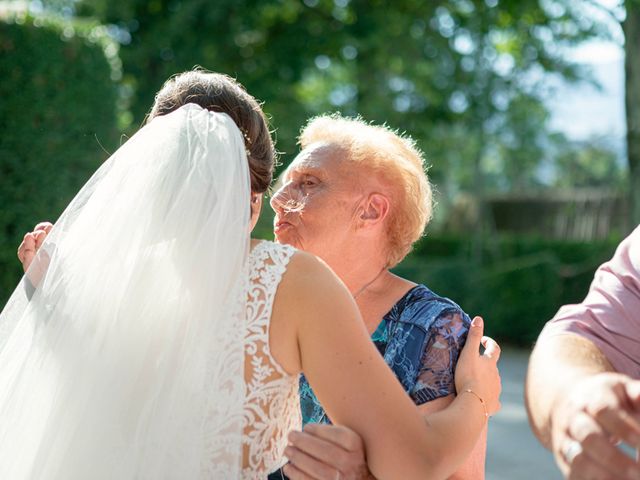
{"x":576,"y":358}
{"x":572,"y":395}
{"x":580,"y":393}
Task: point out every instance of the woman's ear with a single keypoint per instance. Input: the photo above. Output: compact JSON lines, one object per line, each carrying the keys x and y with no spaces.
{"x":374,"y":209}
{"x":256,"y":208}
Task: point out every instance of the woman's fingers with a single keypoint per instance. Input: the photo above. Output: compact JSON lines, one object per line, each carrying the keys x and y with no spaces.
{"x":43,"y":226}
{"x":39,"y":236}
{"x":294,"y":473}
{"x":27,"y":250}
{"x":491,"y":348}
{"x":32,"y":242}
{"x":474,"y":338}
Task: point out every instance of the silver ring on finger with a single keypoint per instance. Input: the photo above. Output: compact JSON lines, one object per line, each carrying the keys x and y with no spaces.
{"x":571,"y":450}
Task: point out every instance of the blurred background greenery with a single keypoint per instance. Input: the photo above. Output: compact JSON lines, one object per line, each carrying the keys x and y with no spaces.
{"x":525,"y":213}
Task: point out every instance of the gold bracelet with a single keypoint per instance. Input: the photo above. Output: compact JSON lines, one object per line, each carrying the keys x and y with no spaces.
{"x":484,"y":405}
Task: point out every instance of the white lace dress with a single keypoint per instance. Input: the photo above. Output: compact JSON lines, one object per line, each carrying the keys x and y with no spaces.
{"x":272,"y":405}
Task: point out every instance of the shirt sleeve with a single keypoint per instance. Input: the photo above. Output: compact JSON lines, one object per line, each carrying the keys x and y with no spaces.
{"x":445,"y":340}
{"x":609,"y":316}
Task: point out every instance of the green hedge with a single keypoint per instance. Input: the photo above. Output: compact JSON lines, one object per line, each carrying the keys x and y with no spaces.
{"x":516,"y":283}
{"x":58,"y":100}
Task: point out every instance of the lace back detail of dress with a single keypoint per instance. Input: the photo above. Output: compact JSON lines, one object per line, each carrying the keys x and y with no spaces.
{"x":272,"y":406}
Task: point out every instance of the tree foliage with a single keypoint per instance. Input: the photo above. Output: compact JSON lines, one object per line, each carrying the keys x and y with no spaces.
{"x":57,"y":114}
{"x":631,"y":27}
{"x":433,"y":69}
{"x":589,"y":164}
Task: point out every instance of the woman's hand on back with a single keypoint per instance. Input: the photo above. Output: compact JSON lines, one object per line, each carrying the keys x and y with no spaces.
{"x":28,"y":252}
{"x":32,"y":242}
{"x":479,"y":372}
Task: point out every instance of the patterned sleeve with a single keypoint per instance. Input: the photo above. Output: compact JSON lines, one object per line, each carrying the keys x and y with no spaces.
{"x":445,"y":340}
{"x":310,"y":408}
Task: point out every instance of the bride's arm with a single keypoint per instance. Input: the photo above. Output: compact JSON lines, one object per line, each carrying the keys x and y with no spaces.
{"x":359,"y":391}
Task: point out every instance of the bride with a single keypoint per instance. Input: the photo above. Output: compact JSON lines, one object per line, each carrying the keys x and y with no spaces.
{"x":161,"y":342}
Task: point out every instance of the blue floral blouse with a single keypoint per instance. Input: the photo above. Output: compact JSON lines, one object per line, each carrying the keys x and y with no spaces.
{"x":420,"y":339}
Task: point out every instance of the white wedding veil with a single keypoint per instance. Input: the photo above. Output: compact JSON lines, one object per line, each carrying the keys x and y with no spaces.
{"x":127,"y":360}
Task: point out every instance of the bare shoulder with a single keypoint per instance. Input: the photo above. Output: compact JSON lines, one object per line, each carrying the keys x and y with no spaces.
{"x":309,"y":279}
{"x":309,"y":294}
{"x":318,"y":304}
{"x":303,"y":263}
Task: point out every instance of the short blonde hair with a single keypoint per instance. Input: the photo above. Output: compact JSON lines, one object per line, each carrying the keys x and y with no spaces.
{"x":397,"y":162}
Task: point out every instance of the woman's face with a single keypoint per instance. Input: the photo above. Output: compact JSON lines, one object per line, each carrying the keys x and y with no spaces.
{"x":316,"y":203}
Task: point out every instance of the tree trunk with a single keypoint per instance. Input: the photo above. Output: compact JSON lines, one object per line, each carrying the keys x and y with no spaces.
{"x":631,"y":27}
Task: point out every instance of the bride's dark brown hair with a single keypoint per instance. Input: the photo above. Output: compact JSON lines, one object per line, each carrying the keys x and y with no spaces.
{"x":221,"y":93}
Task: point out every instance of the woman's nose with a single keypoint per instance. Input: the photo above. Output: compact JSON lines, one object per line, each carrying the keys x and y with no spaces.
{"x":276,"y":199}
{"x":286,"y":199}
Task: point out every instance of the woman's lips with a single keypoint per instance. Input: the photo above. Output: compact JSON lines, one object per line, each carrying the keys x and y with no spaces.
{"x":281,"y":225}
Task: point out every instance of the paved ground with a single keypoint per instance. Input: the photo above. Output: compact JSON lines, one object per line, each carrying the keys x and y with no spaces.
{"x":513,"y":452}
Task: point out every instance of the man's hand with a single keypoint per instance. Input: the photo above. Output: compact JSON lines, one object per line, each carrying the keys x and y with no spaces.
{"x":326,"y":452}
{"x":588,"y":422}
{"x":31,"y":244}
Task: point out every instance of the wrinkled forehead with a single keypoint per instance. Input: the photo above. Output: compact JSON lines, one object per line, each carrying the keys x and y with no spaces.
{"x":323,"y":159}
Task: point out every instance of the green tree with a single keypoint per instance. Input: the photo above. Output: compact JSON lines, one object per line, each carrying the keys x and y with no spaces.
{"x":631,"y":27}
{"x":57,"y":117}
{"x":588,"y":164}
{"x":466,"y":78}
{"x":412,"y":64}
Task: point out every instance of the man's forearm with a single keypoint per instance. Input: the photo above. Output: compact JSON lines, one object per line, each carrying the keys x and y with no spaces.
{"x":557,"y":363}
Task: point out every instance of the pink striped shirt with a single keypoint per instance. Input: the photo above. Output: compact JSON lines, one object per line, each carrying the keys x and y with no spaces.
{"x":610,"y":314}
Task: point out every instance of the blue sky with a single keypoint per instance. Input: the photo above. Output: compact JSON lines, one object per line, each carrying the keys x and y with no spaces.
{"x":581,"y":110}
